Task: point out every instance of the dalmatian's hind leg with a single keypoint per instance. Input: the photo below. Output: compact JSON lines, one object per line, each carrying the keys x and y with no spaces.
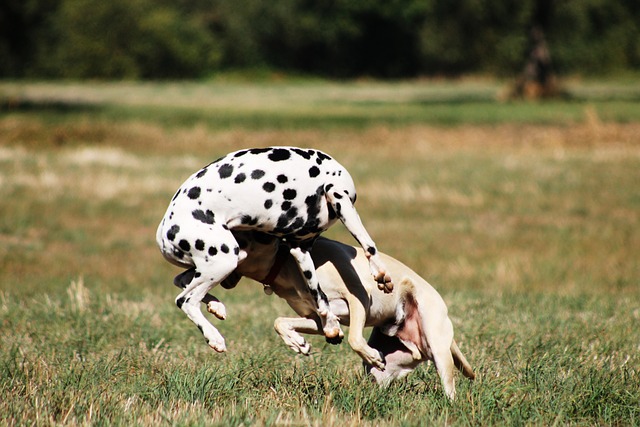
{"x":330,"y":322}
{"x":213,"y":263}
{"x":214,"y":305}
{"x":342,"y":204}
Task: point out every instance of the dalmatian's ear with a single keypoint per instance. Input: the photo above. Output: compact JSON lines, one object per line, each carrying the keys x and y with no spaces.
{"x":231,"y":281}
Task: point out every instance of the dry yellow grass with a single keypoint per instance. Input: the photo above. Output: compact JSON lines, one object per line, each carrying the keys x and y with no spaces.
{"x":529,"y":232}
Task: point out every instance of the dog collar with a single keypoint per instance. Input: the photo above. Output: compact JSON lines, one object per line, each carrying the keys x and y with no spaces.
{"x":281,"y":257}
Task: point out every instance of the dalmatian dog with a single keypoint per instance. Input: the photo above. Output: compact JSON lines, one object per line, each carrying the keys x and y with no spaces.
{"x":291,"y":193}
{"x":410,"y":326}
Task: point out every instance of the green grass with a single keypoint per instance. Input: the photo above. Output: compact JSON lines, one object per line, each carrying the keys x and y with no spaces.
{"x":315,"y":104}
{"x":529,"y":231}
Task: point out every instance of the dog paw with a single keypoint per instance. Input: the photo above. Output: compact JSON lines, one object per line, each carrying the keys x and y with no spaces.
{"x":220,"y":347}
{"x":298,"y":344}
{"x":373,"y":358}
{"x":386,"y":287}
{"x":214,"y":339}
{"x":217,"y":309}
{"x":332,"y":329}
{"x":380,"y":275}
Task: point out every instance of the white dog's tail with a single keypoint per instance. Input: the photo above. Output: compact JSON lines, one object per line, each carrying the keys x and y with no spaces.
{"x":461,"y":362}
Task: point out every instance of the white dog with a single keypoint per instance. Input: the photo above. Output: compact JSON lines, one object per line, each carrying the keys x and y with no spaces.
{"x":410,"y":325}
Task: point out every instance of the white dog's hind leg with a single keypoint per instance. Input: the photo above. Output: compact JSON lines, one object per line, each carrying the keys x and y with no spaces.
{"x":331,"y":323}
{"x":214,"y":305}
{"x":289,"y":329}
{"x":439,"y":335}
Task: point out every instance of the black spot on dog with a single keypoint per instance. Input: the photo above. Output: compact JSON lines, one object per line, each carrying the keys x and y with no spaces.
{"x":178,"y":253}
{"x":194,"y":193}
{"x":291,"y":213}
{"x":299,"y":222}
{"x":285,"y":206}
{"x":308,"y":274}
{"x":171,"y":233}
{"x":180,"y":302}
{"x":184,"y":245}
{"x":224,"y":248}
{"x":269,"y":187}
{"x":323,"y":156}
{"x":184,"y":278}
{"x":259,"y":150}
{"x":279,"y":154}
{"x":225,"y":170}
{"x":176,"y":195}
{"x":313,"y":208}
{"x":328,"y":187}
{"x":282,"y":179}
{"x":199,"y":245}
{"x":212,"y":251}
{"x":202,"y":173}
{"x":249,"y":220}
{"x":268,"y":203}
{"x":240,"y":178}
{"x":289,"y":194}
{"x":332,"y":213}
{"x":301,"y":153}
{"x":314,"y":171}
{"x":207,"y":217}
{"x":282,"y":223}
{"x":236,"y":250}
{"x":372,"y":250}
{"x":241,"y":153}
{"x":257,"y":174}
{"x":337,"y":195}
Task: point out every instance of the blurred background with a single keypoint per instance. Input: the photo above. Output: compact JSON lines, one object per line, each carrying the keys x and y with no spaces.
{"x":161,"y":39}
{"x":495,"y":146}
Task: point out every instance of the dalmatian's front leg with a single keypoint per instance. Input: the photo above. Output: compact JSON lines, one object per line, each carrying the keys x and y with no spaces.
{"x":331,"y":323}
{"x":346,"y":211}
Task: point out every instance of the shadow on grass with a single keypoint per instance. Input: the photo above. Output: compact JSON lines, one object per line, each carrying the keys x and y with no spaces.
{"x":16,"y":104}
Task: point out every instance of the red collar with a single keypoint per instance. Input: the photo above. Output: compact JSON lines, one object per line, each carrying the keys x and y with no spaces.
{"x":281,"y":257}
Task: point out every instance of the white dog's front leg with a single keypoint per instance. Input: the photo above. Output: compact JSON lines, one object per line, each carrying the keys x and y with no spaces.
{"x":288,"y":328}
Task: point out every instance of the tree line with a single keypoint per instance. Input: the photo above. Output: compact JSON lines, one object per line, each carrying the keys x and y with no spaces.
{"x":162,"y":39}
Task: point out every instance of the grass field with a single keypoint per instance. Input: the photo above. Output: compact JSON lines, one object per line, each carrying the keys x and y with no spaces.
{"x":525,"y":216}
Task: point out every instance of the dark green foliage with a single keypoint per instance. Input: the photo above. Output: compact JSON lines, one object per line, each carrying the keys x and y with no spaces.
{"x":342,"y":38}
